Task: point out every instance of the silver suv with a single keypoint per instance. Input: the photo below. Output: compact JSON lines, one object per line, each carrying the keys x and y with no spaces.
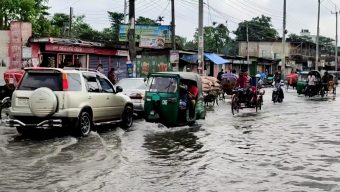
{"x":52,"y":97}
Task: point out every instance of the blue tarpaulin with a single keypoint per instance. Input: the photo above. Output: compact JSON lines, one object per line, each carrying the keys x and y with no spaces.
{"x":215,"y":58}
{"x":210,"y":56}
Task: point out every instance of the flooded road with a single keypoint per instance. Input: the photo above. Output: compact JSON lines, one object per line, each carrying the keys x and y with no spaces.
{"x":293,"y":146}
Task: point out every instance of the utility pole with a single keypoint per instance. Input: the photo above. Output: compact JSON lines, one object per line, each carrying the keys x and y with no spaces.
{"x":247,"y":44}
{"x":317,"y":39}
{"x":131,"y":33}
{"x":200,"y":38}
{"x":125,"y":8}
{"x":336,"y":38}
{"x":283,"y":61}
{"x":173,"y":35}
{"x":70,"y":22}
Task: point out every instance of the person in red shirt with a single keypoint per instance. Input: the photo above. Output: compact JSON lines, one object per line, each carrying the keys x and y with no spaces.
{"x":193,"y":93}
{"x":241,"y":81}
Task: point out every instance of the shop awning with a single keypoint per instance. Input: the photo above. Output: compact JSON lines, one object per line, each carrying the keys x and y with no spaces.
{"x":190,"y":58}
{"x":215,"y":58}
{"x":210,"y":56}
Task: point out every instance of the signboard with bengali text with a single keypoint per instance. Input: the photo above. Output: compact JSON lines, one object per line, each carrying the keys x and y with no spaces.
{"x":163,"y":31}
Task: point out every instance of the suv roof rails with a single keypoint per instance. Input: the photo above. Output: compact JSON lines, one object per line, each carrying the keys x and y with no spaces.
{"x":79,"y":69}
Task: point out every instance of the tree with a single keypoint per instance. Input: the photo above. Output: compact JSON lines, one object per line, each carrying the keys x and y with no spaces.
{"x":216,"y":39}
{"x":60,"y":22}
{"x":191,"y":45}
{"x":326,"y":45}
{"x":299,"y":38}
{"x":146,"y":21}
{"x":116,"y":19}
{"x":23,"y":10}
{"x":259,"y":29}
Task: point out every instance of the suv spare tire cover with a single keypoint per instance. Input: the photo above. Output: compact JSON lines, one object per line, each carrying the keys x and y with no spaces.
{"x":43,"y":102}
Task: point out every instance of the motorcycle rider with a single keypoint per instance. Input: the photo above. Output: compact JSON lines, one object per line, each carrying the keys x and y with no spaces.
{"x":278,"y":82}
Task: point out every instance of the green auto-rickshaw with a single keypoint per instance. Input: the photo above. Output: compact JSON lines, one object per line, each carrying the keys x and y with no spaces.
{"x":269,"y":79}
{"x":302,"y":82}
{"x":167,"y":101}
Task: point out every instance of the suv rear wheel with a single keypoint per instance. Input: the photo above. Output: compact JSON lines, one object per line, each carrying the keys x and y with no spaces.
{"x":127,"y":118}
{"x":84,"y":124}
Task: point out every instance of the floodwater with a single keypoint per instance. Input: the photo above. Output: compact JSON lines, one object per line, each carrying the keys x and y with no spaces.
{"x":292,"y":146}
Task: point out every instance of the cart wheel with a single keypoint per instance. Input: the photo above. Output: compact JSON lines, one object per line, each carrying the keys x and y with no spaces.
{"x":322,"y":92}
{"x":256,"y":105}
{"x":260,"y":102}
{"x":234,"y":105}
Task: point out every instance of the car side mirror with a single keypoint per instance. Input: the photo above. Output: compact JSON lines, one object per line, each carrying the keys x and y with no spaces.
{"x":119,"y":89}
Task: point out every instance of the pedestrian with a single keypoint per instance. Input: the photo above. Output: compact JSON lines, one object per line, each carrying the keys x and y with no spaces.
{"x":311,"y":82}
{"x":100,"y":68}
{"x":112,"y":76}
{"x":219,"y":75}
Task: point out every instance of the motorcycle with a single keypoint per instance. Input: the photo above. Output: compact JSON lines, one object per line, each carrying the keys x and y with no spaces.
{"x":278,"y":95}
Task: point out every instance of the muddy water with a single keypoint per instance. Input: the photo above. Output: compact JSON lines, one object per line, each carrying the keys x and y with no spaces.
{"x":293,"y":146}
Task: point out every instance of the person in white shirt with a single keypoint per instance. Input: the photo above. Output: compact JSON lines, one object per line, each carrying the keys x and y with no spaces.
{"x":311,"y":82}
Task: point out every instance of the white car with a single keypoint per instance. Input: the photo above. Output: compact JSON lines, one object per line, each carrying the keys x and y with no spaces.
{"x":135,"y":89}
{"x":53,"y":97}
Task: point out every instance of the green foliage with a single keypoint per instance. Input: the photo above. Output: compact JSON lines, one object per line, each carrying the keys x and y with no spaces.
{"x":24,"y":10}
{"x":259,"y":29}
{"x":145,"y":21}
{"x":216,"y":39}
{"x":116,"y":19}
{"x":299,"y":38}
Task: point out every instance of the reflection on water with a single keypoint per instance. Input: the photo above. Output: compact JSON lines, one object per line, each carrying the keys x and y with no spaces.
{"x":170,"y":145}
{"x":291,"y":146}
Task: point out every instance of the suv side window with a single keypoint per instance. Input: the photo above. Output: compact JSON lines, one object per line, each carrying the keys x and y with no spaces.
{"x":106,"y":86}
{"x":74,"y":82}
{"x":91,"y":83}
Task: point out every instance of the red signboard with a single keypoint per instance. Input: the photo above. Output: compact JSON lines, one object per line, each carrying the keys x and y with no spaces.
{"x":78,"y":49}
{"x":19,"y":34}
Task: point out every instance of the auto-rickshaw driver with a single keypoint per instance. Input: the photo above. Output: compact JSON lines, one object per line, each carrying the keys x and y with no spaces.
{"x":188,"y":95}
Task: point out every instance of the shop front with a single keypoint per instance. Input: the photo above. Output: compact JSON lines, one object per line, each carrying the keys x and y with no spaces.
{"x":80,"y":56}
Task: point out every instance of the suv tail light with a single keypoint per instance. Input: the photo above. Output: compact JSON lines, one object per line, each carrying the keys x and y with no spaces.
{"x":65,"y":82}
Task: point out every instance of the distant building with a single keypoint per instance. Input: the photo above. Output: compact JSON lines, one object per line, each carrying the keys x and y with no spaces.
{"x":299,"y":55}
{"x":306,"y":32}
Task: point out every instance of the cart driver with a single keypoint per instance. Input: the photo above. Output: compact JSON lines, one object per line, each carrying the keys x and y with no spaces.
{"x":243,"y":83}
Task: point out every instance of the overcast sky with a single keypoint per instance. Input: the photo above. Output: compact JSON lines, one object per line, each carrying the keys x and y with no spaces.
{"x":301,"y":14}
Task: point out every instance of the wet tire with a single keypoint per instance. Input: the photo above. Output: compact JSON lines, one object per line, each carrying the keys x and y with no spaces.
{"x":259,"y":102}
{"x":234,"y":105}
{"x":127,"y":118}
{"x":22,"y":131}
{"x":83,"y":125}
{"x":275,"y":97}
{"x":5,"y":105}
{"x":322,"y":92}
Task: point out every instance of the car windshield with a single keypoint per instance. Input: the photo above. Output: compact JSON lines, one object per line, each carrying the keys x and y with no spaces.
{"x":132,"y":83}
{"x":162,"y":84}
